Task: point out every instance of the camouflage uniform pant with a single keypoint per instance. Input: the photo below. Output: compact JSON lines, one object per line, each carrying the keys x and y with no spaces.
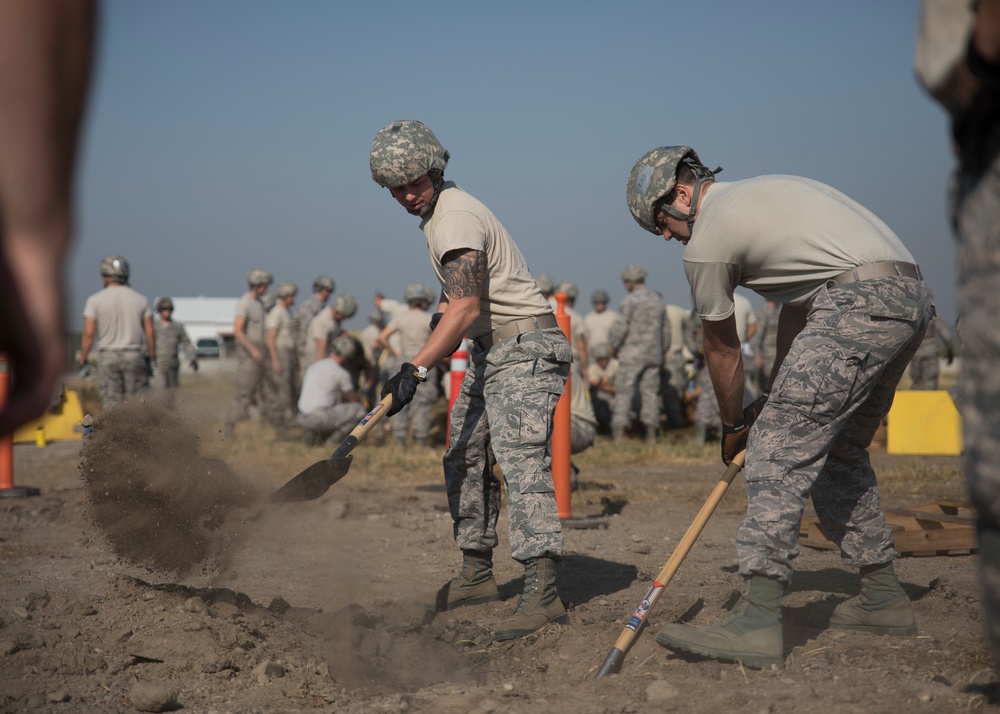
{"x":167,"y":373}
{"x":811,"y":439}
{"x":976,"y":212}
{"x":286,"y":384}
{"x":120,"y":374}
{"x":633,"y":376}
{"x":924,"y":371}
{"x":503,"y":414}
{"x":674,"y":381}
{"x":337,"y":421}
{"x":252,"y":379}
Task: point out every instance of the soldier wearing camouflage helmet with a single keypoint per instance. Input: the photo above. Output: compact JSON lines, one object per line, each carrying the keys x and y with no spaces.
{"x":639,"y":336}
{"x":281,"y":349}
{"x":329,"y":406}
{"x":854,"y":309}
{"x":597,"y":323}
{"x":577,"y":332}
{"x":519,"y":361}
{"x":171,"y":338}
{"x":327,"y":325}
{"x":118,"y":323}
{"x":413,"y":328}
{"x":253,"y":373}
{"x":322,"y":289}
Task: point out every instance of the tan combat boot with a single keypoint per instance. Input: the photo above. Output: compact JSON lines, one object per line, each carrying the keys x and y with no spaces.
{"x":539,"y":604}
{"x":473,"y":585}
{"x":751,"y":634}
{"x":882,"y":608}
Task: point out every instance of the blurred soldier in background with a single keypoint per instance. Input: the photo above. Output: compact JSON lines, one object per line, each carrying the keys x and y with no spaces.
{"x":765,"y":343}
{"x":413,"y":327}
{"x":675,"y":376}
{"x":171,"y":338}
{"x":577,"y":332}
{"x":547,"y":287}
{"x":117,"y":319}
{"x":326,"y":325}
{"x":253,"y":373}
{"x":601,"y":375}
{"x":640,"y":337}
{"x":368,"y":337}
{"x":323,"y":288}
{"x":925,"y":366}
{"x":280,"y":338}
{"x":598,"y":321}
{"x":329,"y":406}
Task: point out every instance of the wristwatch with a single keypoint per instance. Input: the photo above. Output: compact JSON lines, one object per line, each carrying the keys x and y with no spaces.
{"x":421,"y":373}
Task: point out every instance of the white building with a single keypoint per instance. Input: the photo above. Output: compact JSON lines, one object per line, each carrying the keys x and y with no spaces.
{"x":207,"y":317}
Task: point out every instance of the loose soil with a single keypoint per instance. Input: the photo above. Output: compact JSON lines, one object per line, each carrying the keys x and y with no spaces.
{"x":152,"y":574}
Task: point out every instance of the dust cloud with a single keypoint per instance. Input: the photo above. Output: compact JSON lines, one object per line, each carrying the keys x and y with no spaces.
{"x":159,"y":501}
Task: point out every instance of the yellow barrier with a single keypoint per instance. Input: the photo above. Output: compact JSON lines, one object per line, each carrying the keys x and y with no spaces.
{"x":924,"y":422}
{"x":63,"y":426}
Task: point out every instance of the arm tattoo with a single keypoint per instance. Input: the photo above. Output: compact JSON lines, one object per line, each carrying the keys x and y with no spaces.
{"x":463,"y":273}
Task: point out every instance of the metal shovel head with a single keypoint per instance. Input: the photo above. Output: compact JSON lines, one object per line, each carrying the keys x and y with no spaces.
{"x":313,"y":482}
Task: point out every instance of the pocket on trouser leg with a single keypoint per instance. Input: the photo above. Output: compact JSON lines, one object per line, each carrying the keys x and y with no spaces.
{"x":819,"y":388}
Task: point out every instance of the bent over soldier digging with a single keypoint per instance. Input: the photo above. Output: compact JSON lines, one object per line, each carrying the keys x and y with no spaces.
{"x":519,"y":363}
{"x":854,"y":310}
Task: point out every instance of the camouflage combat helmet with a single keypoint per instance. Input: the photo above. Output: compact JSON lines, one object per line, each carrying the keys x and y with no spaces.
{"x":268,"y":300}
{"x":404,"y":151}
{"x":286,"y":290}
{"x":343,"y":346}
{"x":415,"y":293}
{"x":599,"y":296}
{"x":164,"y":303}
{"x":376,"y":318}
{"x":323,"y":282}
{"x":259,"y":277}
{"x":654,"y":176}
{"x":431,"y":293}
{"x":544,"y":283}
{"x":346,"y":305}
{"x":602,"y":350}
{"x":568,"y":289}
{"x":116,"y":268}
{"x":634,"y":273}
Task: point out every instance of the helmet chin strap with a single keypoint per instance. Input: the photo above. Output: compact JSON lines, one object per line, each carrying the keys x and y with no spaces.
{"x":702,"y":175}
{"x":438,"y":179}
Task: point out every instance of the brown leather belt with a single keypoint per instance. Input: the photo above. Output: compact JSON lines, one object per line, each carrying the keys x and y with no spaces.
{"x":517,"y":327}
{"x":882,"y":269}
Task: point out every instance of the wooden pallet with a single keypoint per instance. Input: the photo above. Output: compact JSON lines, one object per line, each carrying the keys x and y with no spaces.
{"x":943,"y":528}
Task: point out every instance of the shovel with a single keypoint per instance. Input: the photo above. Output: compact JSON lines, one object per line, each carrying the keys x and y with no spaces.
{"x":314,"y":481}
{"x":613,"y":662}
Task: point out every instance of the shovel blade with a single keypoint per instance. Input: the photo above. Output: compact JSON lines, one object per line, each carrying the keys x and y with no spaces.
{"x":313,"y":482}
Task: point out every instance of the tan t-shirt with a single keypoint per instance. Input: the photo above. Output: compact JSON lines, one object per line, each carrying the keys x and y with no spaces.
{"x":279,"y":319}
{"x":413,"y":328}
{"x":598,"y":325}
{"x":783,"y":237}
{"x":460,"y":221}
{"x":251,"y":310}
{"x":120,"y":313}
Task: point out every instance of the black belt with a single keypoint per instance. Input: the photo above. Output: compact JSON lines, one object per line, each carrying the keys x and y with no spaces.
{"x":882,"y":269}
{"x":517,"y":327}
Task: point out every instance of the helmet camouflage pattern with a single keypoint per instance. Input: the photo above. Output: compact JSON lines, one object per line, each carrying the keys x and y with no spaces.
{"x":652,"y":178}
{"x":116,"y":268}
{"x":569,"y":289}
{"x":259,"y":277}
{"x":164,"y":303}
{"x":602,"y":350}
{"x":346,"y":305}
{"x":414,"y":293}
{"x":324,"y":282}
{"x":343,"y":346}
{"x":404,"y":151}
{"x":286,"y":290}
{"x":599,"y":296}
{"x":633,"y":273}
{"x":544,"y":283}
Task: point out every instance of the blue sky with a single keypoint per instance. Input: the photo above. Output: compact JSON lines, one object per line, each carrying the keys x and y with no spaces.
{"x":229,"y":135}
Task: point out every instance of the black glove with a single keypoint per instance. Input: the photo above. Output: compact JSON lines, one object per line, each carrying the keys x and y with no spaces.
{"x":402,"y":387}
{"x":194,"y":365}
{"x":949,"y":357}
{"x":435,"y":319}
{"x":753,"y":410}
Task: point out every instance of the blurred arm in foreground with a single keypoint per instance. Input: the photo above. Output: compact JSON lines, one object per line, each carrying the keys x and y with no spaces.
{"x":45,"y":64}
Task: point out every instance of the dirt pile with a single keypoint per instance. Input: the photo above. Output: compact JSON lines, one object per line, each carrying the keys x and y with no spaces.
{"x":158,"y":500}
